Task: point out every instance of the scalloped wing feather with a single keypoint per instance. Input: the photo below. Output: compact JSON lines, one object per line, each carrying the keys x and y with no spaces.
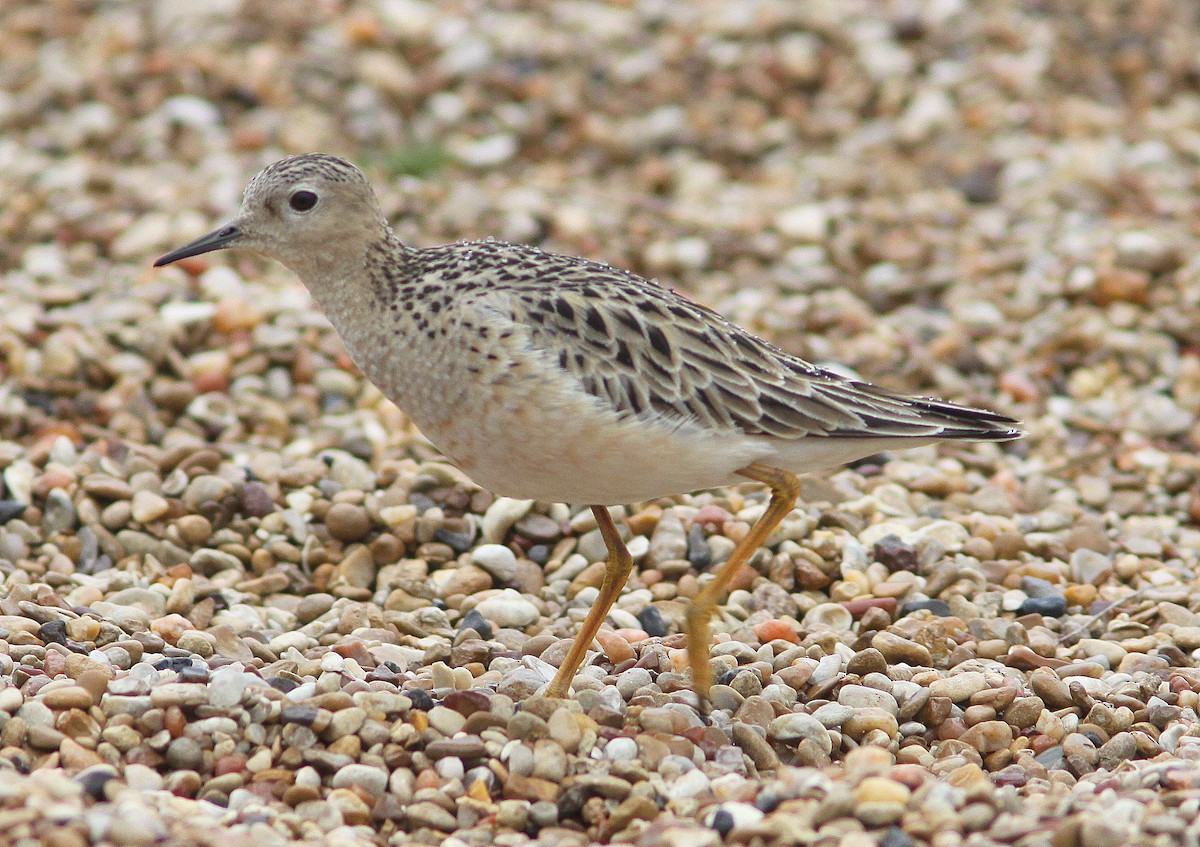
{"x":646,"y":352}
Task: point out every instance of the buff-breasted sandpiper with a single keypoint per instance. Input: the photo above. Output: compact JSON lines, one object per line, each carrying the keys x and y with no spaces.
{"x":561,"y":379}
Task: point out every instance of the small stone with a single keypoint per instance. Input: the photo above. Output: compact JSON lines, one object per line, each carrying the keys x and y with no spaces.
{"x":959,"y":686}
{"x":200,"y":643}
{"x":775,"y":630}
{"x":53,"y":632}
{"x":521,"y":683}
{"x":531,"y":788}
{"x":938,"y":608}
{"x":798,"y":726}
{"x":1051,"y":690}
{"x":257,"y":501}
{"x":497,"y":560}
{"x":349,"y":472}
{"x":194,"y":529}
{"x":895,"y":555}
{"x":370,"y":779}
{"x":347,"y":522}
{"x":669,"y":540}
{"x":226,"y":687}
{"x":1099,"y":647}
{"x":868,"y":720}
{"x":148,"y":506}
{"x":184,"y":754}
{"x":897,"y":649}
{"x":312,"y":606}
{"x":833,"y":715}
{"x":1052,"y":606}
{"x":512,"y":814}
{"x":879,"y":801}
{"x":59,"y":514}
{"x":69,"y":697}
{"x":1145,"y":251}
{"x":1088,"y":565}
{"x":500,"y":517}
{"x":1187,"y":637}
{"x":565,"y":730}
{"x":508,"y":609}
{"x":621,"y":749}
{"x":807,"y":222}
{"x":1024,"y":712}
{"x":10,"y":509}
{"x":988,"y":736}
{"x":1120,"y":748}
{"x":427,"y":814}
{"x":356,"y":569}
{"x":460,"y":747}
{"x":466,"y":579}
{"x":867,"y":661}
{"x":615,"y":647}
{"x":652,"y":622}
{"x":205,"y":490}
{"x":863,"y":697}
{"x":446,"y":721}
{"x":830,"y":616}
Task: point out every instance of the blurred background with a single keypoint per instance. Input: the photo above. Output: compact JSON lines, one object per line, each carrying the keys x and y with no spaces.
{"x":976,"y":198}
{"x":995,"y":202}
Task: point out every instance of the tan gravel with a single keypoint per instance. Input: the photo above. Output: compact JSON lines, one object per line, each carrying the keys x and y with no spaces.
{"x":243,"y":602}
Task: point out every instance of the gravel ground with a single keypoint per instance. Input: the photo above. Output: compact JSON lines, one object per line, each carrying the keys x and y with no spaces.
{"x":243,"y":602}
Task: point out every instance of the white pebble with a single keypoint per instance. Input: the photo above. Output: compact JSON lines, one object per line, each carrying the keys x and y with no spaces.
{"x":501,"y":515}
{"x":807,"y":222}
{"x":508,"y":609}
{"x":486,"y":152}
{"x":497,"y":560}
{"x":621,"y":749}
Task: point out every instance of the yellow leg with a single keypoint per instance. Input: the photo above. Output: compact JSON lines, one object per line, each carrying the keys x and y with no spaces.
{"x":615,"y":574}
{"x":785,"y":489}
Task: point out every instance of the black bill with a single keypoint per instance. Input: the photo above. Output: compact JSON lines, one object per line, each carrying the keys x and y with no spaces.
{"x":221,"y":238}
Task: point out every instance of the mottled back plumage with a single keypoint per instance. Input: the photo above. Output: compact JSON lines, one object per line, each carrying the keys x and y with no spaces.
{"x":649,"y":353}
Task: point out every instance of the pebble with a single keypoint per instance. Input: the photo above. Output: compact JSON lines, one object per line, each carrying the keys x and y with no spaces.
{"x":369,"y":779}
{"x":897,"y":649}
{"x":959,"y":686}
{"x":497,"y":560}
{"x":988,"y":736}
{"x":347,"y":522}
{"x":500,"y":517}
{"x":880,"y":801}
{"x":833,"y":715}
{"x":796,"y":727}
{"x":428,"y":814}
{"x":203,"y":491}
{"x":508,"y":609}
{"x":69,"y":697}
{"x":148,"y":506}
{"x":862,"y":697}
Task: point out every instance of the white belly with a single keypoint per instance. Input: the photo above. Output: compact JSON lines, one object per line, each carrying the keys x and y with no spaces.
{"x":586,"y":461}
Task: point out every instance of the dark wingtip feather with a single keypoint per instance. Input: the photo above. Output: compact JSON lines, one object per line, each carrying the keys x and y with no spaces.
{"x":967,"y":423}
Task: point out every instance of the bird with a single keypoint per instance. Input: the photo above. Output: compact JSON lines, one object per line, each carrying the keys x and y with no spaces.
{"x":560,"y":379}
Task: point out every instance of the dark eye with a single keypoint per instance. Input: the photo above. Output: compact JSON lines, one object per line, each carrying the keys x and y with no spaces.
{"x":302,"y":201}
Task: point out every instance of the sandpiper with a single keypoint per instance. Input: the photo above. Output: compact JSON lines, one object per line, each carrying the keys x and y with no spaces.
{"x":561,"y":379}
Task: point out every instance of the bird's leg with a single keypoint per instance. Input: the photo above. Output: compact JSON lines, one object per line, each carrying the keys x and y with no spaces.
{"x":785,"y":489}
{"x":619,"y":564}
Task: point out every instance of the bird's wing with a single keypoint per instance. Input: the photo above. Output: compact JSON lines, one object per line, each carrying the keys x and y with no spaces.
{"x":647,"y":352}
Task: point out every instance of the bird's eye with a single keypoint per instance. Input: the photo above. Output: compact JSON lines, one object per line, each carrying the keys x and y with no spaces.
{"x":302,"y":201}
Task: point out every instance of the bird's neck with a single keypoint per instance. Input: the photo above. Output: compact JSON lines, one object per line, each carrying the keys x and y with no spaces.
{"x":344,"y":279}
{"x":355,"y":293}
